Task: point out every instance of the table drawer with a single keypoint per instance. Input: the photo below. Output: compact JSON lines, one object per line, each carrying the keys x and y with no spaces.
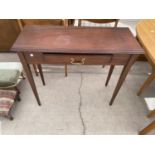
{"x":120,"y":59}
{"x":77,"y":59}
{"x":33,"y":58}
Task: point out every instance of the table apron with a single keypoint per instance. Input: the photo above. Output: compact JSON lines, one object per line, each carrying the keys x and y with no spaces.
{"x":77,"y":59}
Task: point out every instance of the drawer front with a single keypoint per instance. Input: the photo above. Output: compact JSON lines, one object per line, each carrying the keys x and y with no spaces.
{"x":77,"y":59}
{"x":47,"y":58}
{"x":120,"y":59}
{"x":34,"y":58}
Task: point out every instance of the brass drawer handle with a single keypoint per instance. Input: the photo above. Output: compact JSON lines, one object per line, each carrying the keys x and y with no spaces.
{"x":75,"y":62}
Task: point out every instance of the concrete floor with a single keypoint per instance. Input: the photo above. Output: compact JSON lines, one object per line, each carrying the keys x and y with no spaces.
{"x":78,"y":104}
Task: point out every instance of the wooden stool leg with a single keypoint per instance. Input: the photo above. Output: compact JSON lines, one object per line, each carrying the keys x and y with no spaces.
{"x":18,"y":94}
{"x":10,"y":117}
{"x":22,"y":75}
{"x":146,"y":83}
{"x":109,"y":74}
{"x":35,"y":69}
{"x":18,"y":91}
{"x":65,"y":70}
{"x":147,"y":129}
{"x":18,"y":97}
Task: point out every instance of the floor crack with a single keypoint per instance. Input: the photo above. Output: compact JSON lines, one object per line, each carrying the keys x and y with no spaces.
{"x":80,"y":106}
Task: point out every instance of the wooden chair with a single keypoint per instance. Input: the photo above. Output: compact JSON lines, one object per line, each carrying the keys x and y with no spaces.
{"x":42,"y":22}
{"x":150,"y":127}
{"x":150,"y":102}
{"x":147,"y":129}
{"x":145,"y":35}
{"x":147,"y":82}
{"x":102,"y":21}
{"x":23,"y":22}
{"x":99,"y":21}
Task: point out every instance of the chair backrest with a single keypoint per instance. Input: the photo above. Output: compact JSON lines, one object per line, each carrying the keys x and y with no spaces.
{"x":42,"y":22}
{"x":71,"y":22}
{"x":58,"y":22}
{"x":99,"y":21}
{"x":23,"y":22}
{"x":9,"y":31}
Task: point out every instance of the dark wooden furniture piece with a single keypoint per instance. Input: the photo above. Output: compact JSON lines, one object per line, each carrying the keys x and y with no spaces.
{"x":102,"y":21}
{"x":23,"y":22}
{"x":77,"y":45}
{"x":54,"y":22}
{"x":21,"y":25}
{"x":9,"y":31}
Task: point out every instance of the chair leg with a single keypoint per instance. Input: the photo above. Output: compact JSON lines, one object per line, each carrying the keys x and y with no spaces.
{"x":66,"y":70}
{"x":41,"y":74}
{"x":147,"y":129}
{"x":18,"y":98}
{"x":152,"y":113}
{"x":109,"y":74}
{"x":146,"y":83}
{"x":35,"y":69}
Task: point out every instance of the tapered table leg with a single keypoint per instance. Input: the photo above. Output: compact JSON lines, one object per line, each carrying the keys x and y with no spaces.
{"x":35,"y":69}
{"x":109,"y":74}
{"x":66,"y":70}
{"x":147,"y":129}
{"x":123,"y":76}
{"x":41,"y":74}
{"x":29,"y":76}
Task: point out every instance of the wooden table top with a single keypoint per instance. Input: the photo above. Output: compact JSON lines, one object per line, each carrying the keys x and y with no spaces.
{"x":146,"y":35}
{"x":75,"y":40}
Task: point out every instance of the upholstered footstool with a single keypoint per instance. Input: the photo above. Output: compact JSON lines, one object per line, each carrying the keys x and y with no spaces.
{"x":11,"y":73}
{"x":7,"y":100}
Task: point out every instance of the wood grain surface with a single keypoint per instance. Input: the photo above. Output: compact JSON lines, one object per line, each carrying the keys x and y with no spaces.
{"x":146,"y":35}
{"x":77,"y":40}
